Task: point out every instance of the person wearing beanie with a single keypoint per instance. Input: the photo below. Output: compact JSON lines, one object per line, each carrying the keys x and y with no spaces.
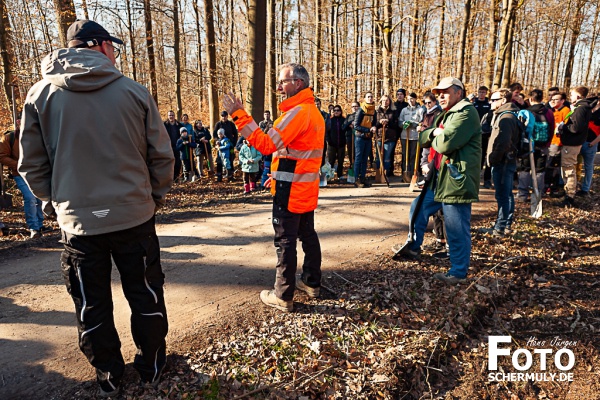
{"x":184,"y":146}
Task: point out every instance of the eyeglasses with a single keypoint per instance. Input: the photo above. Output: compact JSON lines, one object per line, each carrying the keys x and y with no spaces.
{"x":116,"y":50}
{"x":281,"y":82}
{"x":428,"y":102}
{"x":499,"y":98}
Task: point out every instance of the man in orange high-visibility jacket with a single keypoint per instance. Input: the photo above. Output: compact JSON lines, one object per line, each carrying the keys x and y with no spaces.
{"x":296,"y":141}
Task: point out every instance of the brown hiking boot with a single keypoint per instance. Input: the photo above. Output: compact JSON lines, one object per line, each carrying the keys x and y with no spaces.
{"x":313,"y":293}
{"x":268,"y":297}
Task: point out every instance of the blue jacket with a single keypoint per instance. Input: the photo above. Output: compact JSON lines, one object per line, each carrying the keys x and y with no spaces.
{"x":248,"y":154}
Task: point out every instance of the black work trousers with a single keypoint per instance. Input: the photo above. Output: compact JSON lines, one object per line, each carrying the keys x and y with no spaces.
{"x":289,"y":227}
{"x":336,"y":155}
{"x":86,"y":268}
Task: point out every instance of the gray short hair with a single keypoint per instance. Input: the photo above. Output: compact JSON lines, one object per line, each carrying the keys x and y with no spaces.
{"x":457,"y":88}
{"x":298,"y":72}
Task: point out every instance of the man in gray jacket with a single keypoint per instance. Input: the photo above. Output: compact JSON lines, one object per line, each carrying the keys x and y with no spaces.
{"x":105,"y":179}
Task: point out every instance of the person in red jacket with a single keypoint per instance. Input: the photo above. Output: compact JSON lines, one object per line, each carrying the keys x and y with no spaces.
{"x":296,"y":141}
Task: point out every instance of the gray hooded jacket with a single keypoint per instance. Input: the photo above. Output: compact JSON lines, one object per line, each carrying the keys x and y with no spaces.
{"x":93,"y":143}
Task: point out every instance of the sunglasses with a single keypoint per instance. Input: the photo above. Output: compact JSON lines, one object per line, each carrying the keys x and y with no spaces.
{"x":337,"y":110}
{"x":492,"y":100}
{"x":428,"y":102}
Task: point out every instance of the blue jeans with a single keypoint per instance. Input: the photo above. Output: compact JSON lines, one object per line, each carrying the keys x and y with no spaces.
{"x":457,"y":218}
{"x":362,"y":149}
{"x":266,"y":172}
{"x":588,"y":154}
{"x":388,"y":148}
{"x":33,"y":206}
{"x":502,"y":176}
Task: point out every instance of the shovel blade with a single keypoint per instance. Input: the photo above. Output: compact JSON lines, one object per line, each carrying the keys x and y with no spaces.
{"x":413,"y":184}
{"x":536,"y":206}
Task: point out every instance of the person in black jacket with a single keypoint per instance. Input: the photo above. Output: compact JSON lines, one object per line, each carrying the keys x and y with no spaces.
{"x":336,"y":141}
{"x":501,"y":158}
{"x":573,"y":134}
{"x":387,"y":121}
{"x":202,"y":136}
{"x":173,"y":127}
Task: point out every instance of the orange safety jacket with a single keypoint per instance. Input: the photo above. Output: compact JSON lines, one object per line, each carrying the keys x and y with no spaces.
{"x":559,"y":116}
{"x":296,"y":141}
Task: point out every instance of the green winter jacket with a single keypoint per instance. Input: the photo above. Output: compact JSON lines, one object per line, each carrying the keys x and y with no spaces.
{"x":461,"y":144}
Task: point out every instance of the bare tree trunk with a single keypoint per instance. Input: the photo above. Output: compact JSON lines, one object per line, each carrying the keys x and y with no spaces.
{"x":257,"y":49}
{"x":272,"y":82}
{"x":463,"y":40}
{"x":150,"y":49}
{"x":36,"y":50}
{"x":507,"y":74}
{"x":131,"y":31}
{"x":213,"y":100}
{"x":6,"y":54}
{"x":413,"y":43}
{"x":355,"y":51}
{"x":85,"y":9}
{"x":438,"y":67}
{"x":317,"y":54}
{"x":468,"y":65}
{"x":592,"y":45}
{"x":176,"y":40}
{"x":200,"y":80}
{"x":575,"y":25}
{"x":65,"y":16}
{"x":335,"y":50}
{"x":300,"y":32}
{"x":386,"y":35}
{"x":491,"y":45}
{"x":45,"y":28}
{"x":505,"y":39}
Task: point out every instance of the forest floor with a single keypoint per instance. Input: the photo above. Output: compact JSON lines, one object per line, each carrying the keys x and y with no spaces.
{"x":381,"y":329}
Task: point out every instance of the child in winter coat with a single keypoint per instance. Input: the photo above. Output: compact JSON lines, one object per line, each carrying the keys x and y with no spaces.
{"x":184,"y":145}
{"x":249,"y":158}
{"x":224,"y":146}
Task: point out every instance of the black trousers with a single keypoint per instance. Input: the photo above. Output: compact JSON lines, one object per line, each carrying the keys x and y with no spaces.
{"x":86,"y":269}
{"x":336,"y":154}
{"x":289,"y":227}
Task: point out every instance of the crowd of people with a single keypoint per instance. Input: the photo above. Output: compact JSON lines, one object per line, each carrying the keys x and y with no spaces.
{"x":450,"y":142}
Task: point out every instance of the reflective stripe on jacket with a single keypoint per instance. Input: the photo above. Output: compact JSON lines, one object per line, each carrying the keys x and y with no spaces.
{"x":296,"y":141}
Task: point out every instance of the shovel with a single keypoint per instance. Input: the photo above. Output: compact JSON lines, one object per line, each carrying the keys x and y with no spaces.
{"x":536,"y":198}
{"x":211,"y":170}
{"x":405,"y":176}
{"x":381,"y":170}
{"x":413,"y":182}
{"x":411,"y":224}
{"x":192,"y":166}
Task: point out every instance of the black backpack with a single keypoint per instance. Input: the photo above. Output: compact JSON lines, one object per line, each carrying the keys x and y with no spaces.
{"x":520,"y":144}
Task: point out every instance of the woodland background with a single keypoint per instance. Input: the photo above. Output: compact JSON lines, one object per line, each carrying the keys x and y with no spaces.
{"x":189,"y":52}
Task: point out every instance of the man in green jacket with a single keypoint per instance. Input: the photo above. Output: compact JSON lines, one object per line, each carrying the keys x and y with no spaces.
{"x":455,"y":142}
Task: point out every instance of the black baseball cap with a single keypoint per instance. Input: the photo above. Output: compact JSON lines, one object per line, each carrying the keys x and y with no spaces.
{"x":88,"y":32}
{"x":224,"y":113}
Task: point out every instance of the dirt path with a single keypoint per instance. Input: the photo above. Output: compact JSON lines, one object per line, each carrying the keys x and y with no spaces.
{"x":211,"y":264}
